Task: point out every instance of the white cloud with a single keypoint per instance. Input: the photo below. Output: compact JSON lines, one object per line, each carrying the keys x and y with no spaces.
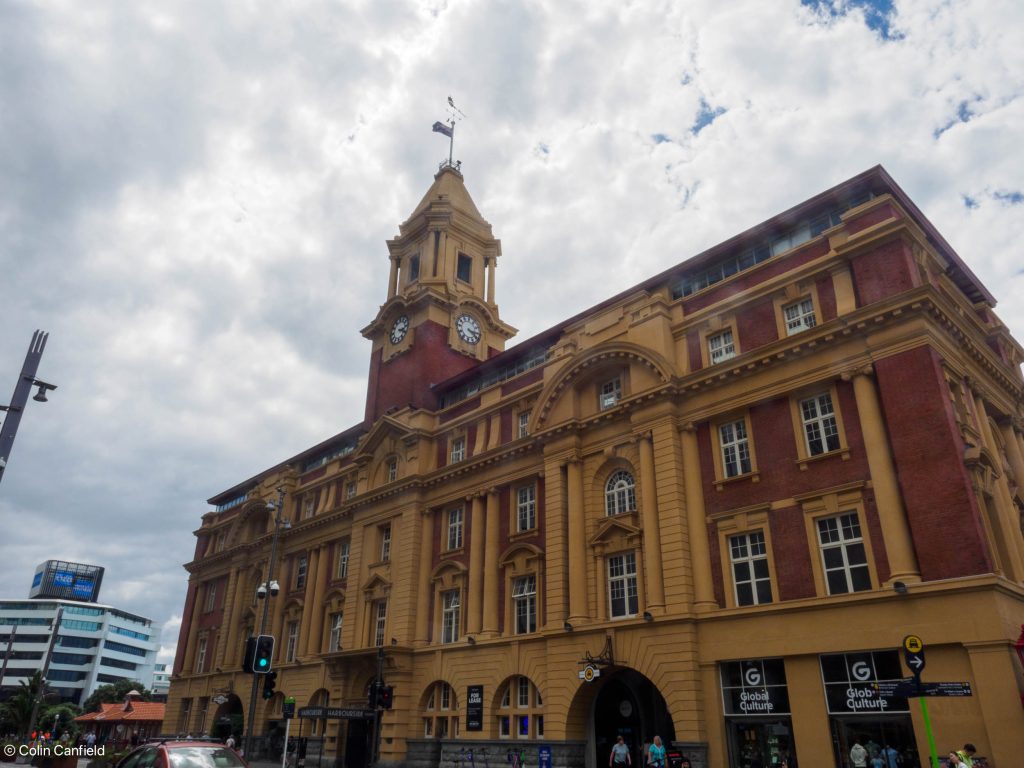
{"x":197,"y":200}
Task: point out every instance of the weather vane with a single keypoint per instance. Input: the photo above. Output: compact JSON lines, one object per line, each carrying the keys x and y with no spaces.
{"x":448,"y":129}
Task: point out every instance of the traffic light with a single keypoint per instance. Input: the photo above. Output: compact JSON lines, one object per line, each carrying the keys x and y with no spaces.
{"x":384,"y":698}
{"x":263,"y":654}
{"x":373,"y":695}
{"x":269,"y":681}
{"x":249,"y":657}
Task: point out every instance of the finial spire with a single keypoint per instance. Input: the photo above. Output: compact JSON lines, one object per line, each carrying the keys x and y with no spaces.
{"x":448,"y":129}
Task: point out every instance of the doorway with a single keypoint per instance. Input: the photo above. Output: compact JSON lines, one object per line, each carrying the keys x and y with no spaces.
{"x":629,"y":705}
{"x":760,"y":743}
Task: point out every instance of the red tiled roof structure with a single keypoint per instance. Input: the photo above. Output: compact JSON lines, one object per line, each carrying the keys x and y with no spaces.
{"x":147,"y":711}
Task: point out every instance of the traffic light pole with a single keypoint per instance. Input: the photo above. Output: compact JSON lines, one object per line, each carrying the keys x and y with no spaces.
{"x":378,"y":684}
{"x":251,"y":719}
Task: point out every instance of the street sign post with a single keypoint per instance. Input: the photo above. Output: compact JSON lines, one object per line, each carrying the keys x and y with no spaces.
{"x":288,"y":712}
{"x":913,"y":655}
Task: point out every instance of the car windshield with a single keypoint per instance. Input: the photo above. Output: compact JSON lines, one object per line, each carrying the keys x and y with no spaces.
{"x":204,"y":757}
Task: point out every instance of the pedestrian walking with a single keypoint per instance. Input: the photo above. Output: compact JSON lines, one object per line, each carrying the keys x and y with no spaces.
{"x":620,"y":755}
{"x":656,"y":754}
{"x":858,"y":755}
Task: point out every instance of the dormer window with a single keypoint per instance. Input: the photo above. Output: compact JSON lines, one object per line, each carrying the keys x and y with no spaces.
{"x":465,"y":268}
{"x":392,"y":470}
{"x":610,"y":394}
{"x":414,"y":268}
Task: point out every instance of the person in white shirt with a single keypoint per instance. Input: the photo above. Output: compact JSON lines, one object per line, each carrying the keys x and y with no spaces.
{"x":858,"y":756}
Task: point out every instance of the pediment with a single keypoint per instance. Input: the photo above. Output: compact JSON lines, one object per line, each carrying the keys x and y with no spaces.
{"x":386,"y":427}
{"x":615,"y":529}
{"x":376,"y":585}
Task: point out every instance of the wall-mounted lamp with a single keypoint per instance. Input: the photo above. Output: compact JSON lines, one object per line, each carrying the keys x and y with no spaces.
{"x":900,"y":587}
{"x":648,"y":616}
{"x":470,"y":639}
{"x":393,"y":641}
{"x":567,"y":627}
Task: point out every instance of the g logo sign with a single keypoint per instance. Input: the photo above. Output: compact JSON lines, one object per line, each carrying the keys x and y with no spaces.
{"x":752,"y":676}
{"x":861,"y":671}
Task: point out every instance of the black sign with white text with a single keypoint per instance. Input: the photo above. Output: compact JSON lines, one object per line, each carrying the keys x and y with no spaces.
{"x":857,"y":683}
{"x":755,"y":687}
{"x":475,"y":708}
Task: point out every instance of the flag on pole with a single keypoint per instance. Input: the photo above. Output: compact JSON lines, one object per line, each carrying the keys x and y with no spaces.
{"x":440,"y":127}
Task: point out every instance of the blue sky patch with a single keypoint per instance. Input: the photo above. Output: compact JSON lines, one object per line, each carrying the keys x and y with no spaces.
{"x":878,"y":14}
{"x":969,"y":202}
{"x":964,"y":113}
{"x":706,"y":116}
{"x":1014,"y":197}
{"x":660,"y":138}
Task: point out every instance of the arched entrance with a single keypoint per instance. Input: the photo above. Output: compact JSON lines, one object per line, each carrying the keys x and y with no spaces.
{"x":630,"y":705}
{"x":229,"y":718}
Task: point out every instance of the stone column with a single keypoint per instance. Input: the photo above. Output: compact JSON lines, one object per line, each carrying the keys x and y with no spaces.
{"x":423,"y":588}
{"x":491,"y":263}
{"x":492,"y":570}
{"x":314,"y":640}
{"x":232,"y":603}
{"x":652,"y":538}
{"x":1013,"y":452}
{"x":842,"y":283}
{"x":700,"y":553}
{"x":188,"y":663}
{"x":577,"y":543}
{"x":312,"y":568}
{"x":556,"y":599}
{"x":892,"y":516}
{"x":1003,"y":502}
{"x":393,"y":278}
{"x":476,"y":568}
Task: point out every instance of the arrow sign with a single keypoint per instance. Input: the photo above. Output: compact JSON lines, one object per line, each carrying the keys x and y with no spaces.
{"x":913,"y":655}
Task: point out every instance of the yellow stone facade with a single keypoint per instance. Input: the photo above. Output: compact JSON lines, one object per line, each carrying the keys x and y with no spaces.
{"x":428,"y":504}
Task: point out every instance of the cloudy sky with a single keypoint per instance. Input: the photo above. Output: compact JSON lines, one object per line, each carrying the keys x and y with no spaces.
{"x":194,"y":199}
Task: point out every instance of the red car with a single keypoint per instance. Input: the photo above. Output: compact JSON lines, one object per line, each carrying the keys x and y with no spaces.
{"x":182,"y":754}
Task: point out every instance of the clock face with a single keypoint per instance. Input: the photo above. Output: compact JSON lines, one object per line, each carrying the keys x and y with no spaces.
{"x":625,"y":708}
{"x":399,"y":328}
{"x":468,"y":328}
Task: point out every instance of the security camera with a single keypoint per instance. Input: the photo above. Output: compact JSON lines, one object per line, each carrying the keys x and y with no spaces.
{"x":261,"y":591}
{"x":274,"y":588}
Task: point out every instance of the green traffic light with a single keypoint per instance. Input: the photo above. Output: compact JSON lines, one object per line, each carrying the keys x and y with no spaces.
{"x":263,"y":662}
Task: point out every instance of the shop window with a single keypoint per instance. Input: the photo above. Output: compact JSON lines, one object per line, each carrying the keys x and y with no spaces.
{"x":527,"y":719}
{"x":620,"y":493}
{"x":751,"y":578}
{"x":622,"y":586}
{"x":843,"y":555}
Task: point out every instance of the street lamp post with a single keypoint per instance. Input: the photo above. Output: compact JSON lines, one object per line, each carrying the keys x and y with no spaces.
{"x":26,"y":381}
{"x":46,"y":670}
{"x":279,"y":523}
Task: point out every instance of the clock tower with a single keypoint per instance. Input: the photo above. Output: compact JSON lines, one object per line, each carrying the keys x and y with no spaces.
{"x":440,"y":317}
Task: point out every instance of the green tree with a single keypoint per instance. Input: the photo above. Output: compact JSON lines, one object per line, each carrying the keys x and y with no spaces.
{"x":114,"y":693}
{"x":16,"y":712}
{"x":63,"y":716}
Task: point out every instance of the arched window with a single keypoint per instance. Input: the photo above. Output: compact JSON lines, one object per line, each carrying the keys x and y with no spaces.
{"x":620,"y":493}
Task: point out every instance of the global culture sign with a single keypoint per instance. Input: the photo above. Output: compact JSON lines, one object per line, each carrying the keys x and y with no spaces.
{"x":755,"y":687}
{"x":851,"y":682}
